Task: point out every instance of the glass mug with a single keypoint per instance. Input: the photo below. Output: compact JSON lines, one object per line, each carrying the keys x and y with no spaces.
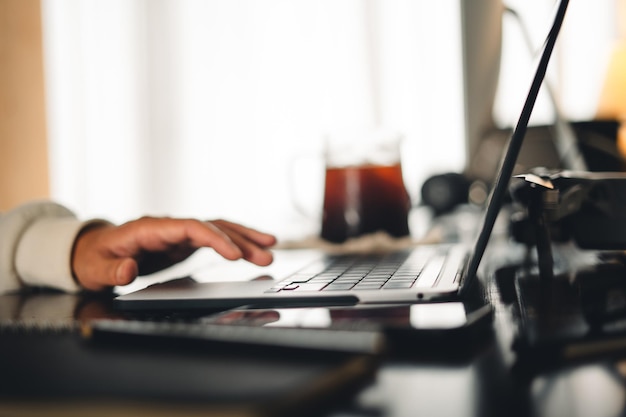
{"x":364,"y":190}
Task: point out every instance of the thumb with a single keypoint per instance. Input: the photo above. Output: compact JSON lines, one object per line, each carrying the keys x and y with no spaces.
{"x":123,"y":271}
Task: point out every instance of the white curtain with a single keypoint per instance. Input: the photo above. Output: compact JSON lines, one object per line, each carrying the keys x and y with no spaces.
{"x":577,"y":68}
{"x":199,"y":108}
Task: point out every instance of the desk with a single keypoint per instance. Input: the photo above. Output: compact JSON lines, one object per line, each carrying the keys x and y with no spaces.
{"x":484,"y":384}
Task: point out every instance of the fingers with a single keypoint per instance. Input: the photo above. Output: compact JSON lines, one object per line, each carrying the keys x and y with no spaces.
{"x":260,"y":238}
{"x":224,"y":236}
{"x":114,"y":255}
{"x":252,"y":243}
{"x":165,"y":234}
{"x":231,"y":240}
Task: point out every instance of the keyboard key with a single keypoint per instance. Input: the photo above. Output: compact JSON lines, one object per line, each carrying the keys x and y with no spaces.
{"x":375,"y":280}
{"x":368,"y":286}
{"x":322,"y":279}
{"x":338,"y":287}
{"x":346,"y":280}
{"x":290,"y":287}
{"x":398,"y":285}
{"x":311,"y":287}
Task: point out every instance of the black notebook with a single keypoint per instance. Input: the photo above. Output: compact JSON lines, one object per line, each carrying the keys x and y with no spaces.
{"x":49,"y":369}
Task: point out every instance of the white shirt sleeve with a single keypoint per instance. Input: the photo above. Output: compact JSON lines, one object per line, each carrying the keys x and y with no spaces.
{"x":36,"y":242}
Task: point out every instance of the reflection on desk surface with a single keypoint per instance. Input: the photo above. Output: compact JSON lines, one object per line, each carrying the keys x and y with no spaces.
{"x":54,"y":307}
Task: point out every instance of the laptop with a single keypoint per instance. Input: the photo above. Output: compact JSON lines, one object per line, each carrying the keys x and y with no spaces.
{"x":428,"y":273}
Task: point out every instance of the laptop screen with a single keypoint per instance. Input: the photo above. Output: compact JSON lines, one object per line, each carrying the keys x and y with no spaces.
{"x":500,"y":187}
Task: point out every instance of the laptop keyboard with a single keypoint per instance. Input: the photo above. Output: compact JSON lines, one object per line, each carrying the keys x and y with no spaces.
{"x":418,"y":268}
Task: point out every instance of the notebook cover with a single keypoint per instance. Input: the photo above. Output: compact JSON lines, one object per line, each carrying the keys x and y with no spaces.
{"x":53,"y":371}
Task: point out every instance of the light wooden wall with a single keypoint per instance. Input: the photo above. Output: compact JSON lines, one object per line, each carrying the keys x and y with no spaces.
{"x":23,"y":146}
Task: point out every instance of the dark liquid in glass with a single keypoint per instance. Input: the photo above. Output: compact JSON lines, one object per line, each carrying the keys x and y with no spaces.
{"x":364,"y":199}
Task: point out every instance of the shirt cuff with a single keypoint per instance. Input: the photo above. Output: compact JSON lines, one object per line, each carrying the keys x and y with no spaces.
{"x":43,"y":257}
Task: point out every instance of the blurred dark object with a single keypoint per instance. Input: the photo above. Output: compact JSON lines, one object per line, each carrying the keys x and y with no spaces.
{"x":564,"y":322}
{"x":597,"y":141}
{"x":444,"y":192}
{"x":602,"y":290}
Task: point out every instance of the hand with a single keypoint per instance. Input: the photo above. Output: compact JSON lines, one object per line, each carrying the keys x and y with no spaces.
{"x":105,"y":255}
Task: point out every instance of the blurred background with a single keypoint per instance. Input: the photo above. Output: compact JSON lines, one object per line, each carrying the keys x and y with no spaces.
{"x":120,"y":108}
